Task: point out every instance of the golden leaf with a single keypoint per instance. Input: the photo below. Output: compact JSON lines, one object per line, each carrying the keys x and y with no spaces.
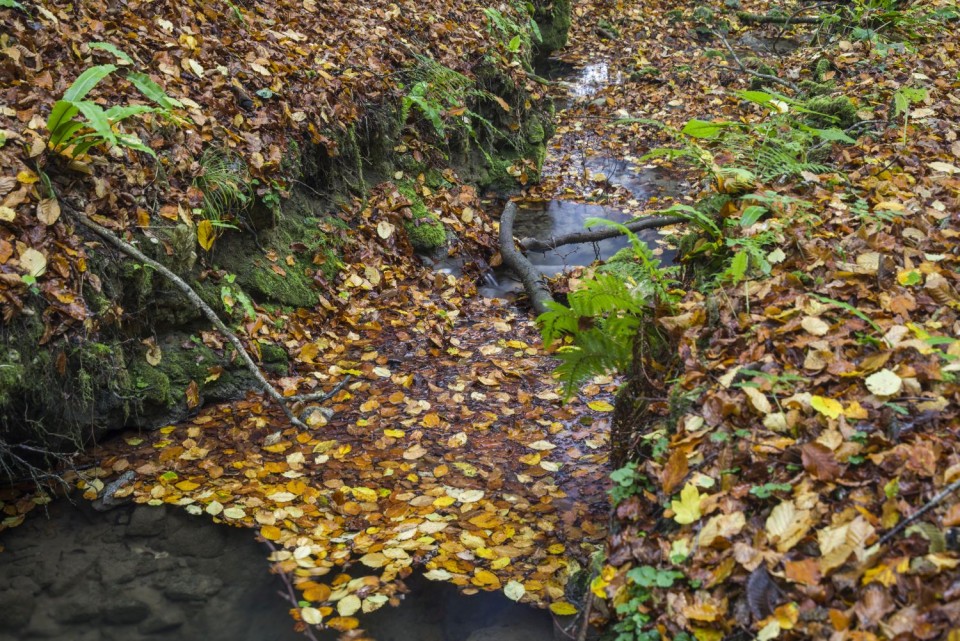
{"x":206,"y":234}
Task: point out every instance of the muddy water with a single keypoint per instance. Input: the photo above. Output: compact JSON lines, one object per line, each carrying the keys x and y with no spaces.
{"x":142,"y":573}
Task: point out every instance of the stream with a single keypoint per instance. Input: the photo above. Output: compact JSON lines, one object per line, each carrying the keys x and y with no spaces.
{"x":141,"y":573}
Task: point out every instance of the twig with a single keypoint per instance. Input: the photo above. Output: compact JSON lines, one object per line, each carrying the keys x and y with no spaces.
{"x":292,"y":595}
{"x":751,"y":72}
{"x":752,"y":18}
{"x":194,"y":298}
{"x":929,"y":505}
{"x":539,"y":245}
{"x":544,"y":81}
{"x":319,"y":397}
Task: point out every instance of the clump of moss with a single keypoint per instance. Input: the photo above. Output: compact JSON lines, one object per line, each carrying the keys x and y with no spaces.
{"x":424,"y":229}
{"x":831,"y":111}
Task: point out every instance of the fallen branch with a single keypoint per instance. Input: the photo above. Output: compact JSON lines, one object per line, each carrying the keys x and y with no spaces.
{"x":751,"y":72}
{"x":596,"y":235}
{"x":199,"y":303}
{"x":533,"y":280}
{"x":929,"y":505}
{"x":753,"y":18}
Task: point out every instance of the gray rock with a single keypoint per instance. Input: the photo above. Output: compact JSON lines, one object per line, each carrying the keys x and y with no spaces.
{"x":185,"y":542}
{"x":16,"y":608}
{"x":187,"y":586}
{"x":163,"y":620}
{"x":79,"y":607}
{"x":125,"y":610}
{"x":42,"y":625}
{"x":146,"y":521}
{"x":73,"y":568}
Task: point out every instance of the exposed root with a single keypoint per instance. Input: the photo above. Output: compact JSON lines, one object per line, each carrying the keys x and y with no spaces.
{"x":538,"y":245}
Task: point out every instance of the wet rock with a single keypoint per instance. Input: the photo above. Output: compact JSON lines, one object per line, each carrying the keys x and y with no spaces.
{"x":80,"y":607}
{"x":125,"y":611}
{"x":164,"y":620}
{"x":187,"y":586}
{"x":146,"y":521}
{"x":72,"y":568}
{"x":184,"y":542}
{"x":16,"y":608}
{"x":43,"y":626}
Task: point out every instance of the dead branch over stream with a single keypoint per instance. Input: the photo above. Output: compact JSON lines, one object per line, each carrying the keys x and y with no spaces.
{"x":534,"y":282}
{"x":596,"y":235}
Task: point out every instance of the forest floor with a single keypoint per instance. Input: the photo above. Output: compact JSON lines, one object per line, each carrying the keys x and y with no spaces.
{"x":810,"y":416}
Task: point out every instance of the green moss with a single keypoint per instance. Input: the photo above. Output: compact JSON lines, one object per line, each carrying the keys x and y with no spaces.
{"x":533,"y":131}
{"x":427,"y":233}
{"x":553,"y":18}
{"x":293,"y":287}
{"x":150,"y":384}
{"x":275,"y":358}
{"x":835,"y":111}
{"x":11,"y":375}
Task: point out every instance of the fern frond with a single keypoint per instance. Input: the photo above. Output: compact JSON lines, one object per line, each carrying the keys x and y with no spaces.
{"x":604,"y":294}
{"x":557,"y":322}
{"x":595,"y":353}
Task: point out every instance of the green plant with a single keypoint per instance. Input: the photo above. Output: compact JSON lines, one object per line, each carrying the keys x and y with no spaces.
{"x":224,"y":181}
{"x":601,"y":323}
{"x":902,"y":99}
{"x":633,"y":616}
{"x":73,"y":137}
{"x":767,"y":490}
{"x":627,"y":483}
{"x":521,"y":36}
{"x":231,"y":296}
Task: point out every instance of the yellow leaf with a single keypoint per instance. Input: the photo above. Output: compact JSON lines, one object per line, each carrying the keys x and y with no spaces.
{"x":562,"y":608}
{"x":311,"y":616}
{"x":600,"y":406}
{"x":394,"y":433}
{"x":205,"y":234}
{"x":187,"y":486}
{"x":687,"y":509}
{"x":270,"y":532}
{"x":827,"y":406}
{"x":27,"y":177}
{"x":884,"y":383}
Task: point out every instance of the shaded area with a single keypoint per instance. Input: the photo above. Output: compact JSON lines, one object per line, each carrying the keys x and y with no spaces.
{"x":136,"y":573}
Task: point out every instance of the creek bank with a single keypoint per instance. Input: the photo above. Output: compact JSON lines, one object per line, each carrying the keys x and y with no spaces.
{"x":147,"y":358}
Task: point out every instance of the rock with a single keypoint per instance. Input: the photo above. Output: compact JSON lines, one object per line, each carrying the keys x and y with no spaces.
{"x":509,"y":633}
{"x":164,"y":620}
{"x":43,"y":626}
{"x":146,"y":521}
{"x":80,"y":607}
{"x":184,"y":541}
{"x":187,"y":586}
{"x":16,"y":608}
{"x":125,"y":610}
{"x":72,"y":568}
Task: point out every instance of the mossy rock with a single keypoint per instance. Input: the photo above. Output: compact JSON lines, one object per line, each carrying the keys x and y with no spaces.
{"x":425,"y":231}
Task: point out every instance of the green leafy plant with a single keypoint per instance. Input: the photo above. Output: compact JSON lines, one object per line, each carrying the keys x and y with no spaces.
{"x":633,"y":613}
{"x":73,"y":137}
{"x":902,"y":99}
{"x":604,"y":316}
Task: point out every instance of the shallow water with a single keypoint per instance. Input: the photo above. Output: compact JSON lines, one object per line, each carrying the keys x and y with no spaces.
{"x":145,"y":573}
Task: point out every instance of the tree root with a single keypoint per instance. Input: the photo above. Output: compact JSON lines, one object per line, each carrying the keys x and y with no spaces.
{"x":211,"y":315}
{"x":538,"y":245}
{"x":533,"y":280}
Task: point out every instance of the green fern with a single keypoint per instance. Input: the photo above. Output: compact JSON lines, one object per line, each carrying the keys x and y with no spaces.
{"x":224,"y":182}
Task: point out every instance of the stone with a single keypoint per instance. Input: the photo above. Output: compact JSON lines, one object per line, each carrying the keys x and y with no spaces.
{"x":16,"y":608}
{"x":146,"y":521}
{"x":125,"y":610}
{"x":164,"y":620}
{"x":43,"y":626}
{"x":188,"y":586}
{"x":184,"y":541}
{"x":80,"y":607}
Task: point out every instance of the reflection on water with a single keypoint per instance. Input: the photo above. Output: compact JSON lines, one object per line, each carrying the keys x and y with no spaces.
{"x":158,"y":574}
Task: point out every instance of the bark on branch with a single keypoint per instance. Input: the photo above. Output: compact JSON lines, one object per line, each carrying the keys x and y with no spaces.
{"x":753,"y":18}
{"x":756,"y":74}
{"x":533,"y":280}
{"x":596,"y":235}
{"x":207,"y":311}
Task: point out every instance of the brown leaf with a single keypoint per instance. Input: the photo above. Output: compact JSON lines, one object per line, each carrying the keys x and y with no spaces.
{"x":675,"y":470}
{"x":819,"y":462}
{"x":48,"y":211}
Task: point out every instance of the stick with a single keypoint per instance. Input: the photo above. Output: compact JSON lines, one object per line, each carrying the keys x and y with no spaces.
{"x":319,"y":397}
{"x":929,"y":505}
{"x":755,"y":74}
{"x":753,"y":18}
{"x":194,"y":298}
{"x":533,"y":281}
{"x":538,"y":245}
